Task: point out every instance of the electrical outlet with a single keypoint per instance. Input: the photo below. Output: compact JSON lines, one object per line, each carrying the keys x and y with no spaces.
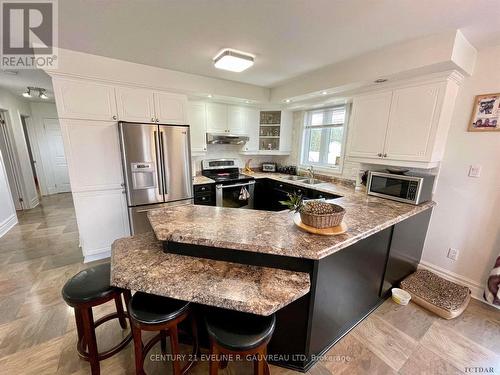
{"x":452,"y":254}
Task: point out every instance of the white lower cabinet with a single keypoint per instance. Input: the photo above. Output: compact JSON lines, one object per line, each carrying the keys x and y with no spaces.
{"x":102,"y":218}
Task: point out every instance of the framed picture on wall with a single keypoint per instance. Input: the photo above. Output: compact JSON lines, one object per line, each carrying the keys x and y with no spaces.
{"x":485,"y":114}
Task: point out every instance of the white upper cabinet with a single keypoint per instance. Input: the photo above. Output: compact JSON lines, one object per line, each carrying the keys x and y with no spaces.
{"x":252,"y":129}
{"x":87,"y":100}
{"x":411,"y":123}
{"x":135,"y":105}
{"x":406,"y":126}
{"x":237,"y":120}
{"x":217,"y":118}
{"x":370,"y":116}
{"x":93,"y":154}
{"x":170,"y":108}
{"x":197,"y":120}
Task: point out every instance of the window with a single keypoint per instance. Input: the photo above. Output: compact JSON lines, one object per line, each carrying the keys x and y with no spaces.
{"x":323,"y":138}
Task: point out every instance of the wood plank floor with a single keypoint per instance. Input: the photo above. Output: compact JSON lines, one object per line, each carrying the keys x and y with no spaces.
{"x":37,"y":332}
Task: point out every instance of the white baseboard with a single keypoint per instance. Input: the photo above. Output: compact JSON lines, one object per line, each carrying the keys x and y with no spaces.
{"x":477,"y":289}
{"x":7,"y":224}
{"x":98,"y":256}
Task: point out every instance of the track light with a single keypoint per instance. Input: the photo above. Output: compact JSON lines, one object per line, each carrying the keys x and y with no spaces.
{"x":27,"y":93}
{"x":43,"y":95}
{"x":31,"y":91}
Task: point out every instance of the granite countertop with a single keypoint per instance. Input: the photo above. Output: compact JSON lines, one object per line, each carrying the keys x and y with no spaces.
{"x":274,"y":232}
{"x":139,"y":263}
{"x":201,"y":180}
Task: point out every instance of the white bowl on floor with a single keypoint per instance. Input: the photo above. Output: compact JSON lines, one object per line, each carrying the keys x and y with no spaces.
{"x":400,"y":296}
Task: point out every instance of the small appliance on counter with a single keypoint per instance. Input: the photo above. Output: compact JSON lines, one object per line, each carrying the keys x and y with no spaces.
{"x":413,"y":189}
{"x":269,"y":167}
{"x":288,"y":169}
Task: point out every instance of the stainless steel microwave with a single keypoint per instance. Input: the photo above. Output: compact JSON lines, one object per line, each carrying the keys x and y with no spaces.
{"x":413,"y":189}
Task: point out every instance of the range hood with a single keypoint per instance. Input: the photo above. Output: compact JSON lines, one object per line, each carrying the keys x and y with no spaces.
{"x":226,"y":139}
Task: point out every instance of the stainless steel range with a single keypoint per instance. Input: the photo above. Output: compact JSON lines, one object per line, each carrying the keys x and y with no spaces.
{"x":232,"y":189}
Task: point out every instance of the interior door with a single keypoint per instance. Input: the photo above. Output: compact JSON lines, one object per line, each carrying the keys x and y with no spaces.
{"x":6,"y":151}
{"x":176,"y":154}
{"x":369,"y":125}
{"x":140,"y":154}
{"x":58,"y":163}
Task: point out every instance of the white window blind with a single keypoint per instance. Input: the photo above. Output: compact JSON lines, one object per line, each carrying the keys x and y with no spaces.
{"x":323,"y":137}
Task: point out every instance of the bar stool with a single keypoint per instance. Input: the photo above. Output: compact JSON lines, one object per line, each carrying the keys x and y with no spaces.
{"x":240,"y":334}
{"x":89,"y":288}
{"x":150,"y":312}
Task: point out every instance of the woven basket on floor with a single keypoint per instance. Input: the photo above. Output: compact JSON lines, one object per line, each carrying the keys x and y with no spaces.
{"x":324,"y":221}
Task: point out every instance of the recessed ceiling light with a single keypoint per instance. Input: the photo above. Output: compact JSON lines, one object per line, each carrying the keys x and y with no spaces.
{"x":380,"y":80}
{"x":209,"y":96}
{"x":247,"y":101}
{"x":324,"y":92}
{"x":233,"y":60}
{"x":288,"y":100}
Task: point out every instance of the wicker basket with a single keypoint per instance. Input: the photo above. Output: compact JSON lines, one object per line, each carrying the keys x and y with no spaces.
{"x":324,"y":221}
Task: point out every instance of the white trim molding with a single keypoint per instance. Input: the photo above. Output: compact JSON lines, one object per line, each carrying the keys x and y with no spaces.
{"x":98,"y":256}
{"x":476,"y":288}
{"x":7,"y":224}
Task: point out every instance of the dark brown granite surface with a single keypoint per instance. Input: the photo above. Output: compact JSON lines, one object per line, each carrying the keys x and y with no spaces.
{"x":274,"y":232}
{"x":138,"y":263}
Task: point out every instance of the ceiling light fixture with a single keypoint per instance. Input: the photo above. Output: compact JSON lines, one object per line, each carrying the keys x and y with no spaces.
{"x":288,"y":100}
{"x":233,"y":60}
{"x":324,"y":92}
{"x":32,"y":91}
{"x":209,"y":96}
{"x":42,"y":94}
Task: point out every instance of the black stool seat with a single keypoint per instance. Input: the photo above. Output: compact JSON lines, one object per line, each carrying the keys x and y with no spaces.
{"x":239,"y":331}
{"x":152,"y":309}
{"x":90,"y":284}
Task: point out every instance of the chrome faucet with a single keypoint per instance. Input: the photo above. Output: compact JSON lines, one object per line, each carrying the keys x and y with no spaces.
{"x":310,"y":170}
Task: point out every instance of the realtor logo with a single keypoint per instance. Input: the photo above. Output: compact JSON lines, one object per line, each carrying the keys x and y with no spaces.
{"x":29,"y":34}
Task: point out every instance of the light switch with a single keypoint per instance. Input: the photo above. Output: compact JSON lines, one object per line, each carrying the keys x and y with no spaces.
{"x":474,"y":171}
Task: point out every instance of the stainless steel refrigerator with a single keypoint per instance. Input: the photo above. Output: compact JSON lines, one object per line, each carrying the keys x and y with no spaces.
{"x":157,"y":168}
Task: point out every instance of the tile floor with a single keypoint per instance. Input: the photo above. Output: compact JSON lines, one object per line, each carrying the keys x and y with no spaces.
{"x":37,"y":332}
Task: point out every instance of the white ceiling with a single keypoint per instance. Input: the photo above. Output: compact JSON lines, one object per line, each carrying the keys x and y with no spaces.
{"x":288,"y":37}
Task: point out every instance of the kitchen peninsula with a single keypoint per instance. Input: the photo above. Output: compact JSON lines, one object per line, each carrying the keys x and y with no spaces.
{"x":260,"y":262}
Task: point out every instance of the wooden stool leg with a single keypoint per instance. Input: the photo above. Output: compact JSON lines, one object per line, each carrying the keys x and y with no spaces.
{"x":127,"y":296}
{"x":79,"y":323}
{"x":174,"y":345}
{"x":119,"y":309}
{"x":163,"y":341}
{"x":139,"y":359}
{"x":259,"y":365}
{"x":214,"y":359}
{"x":90,"y":339}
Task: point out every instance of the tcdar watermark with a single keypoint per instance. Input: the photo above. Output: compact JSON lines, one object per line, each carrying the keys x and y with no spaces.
{"x":29,"y":34}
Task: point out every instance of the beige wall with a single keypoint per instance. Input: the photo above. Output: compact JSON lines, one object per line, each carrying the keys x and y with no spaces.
{"x":467,"y":216}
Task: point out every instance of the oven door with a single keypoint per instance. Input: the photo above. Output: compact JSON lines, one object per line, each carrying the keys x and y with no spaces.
{"x":235,"y":195}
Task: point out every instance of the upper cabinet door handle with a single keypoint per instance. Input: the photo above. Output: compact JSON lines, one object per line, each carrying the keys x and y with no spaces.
{"x":153,"y":119}
{"x":379,"y":154}
{"x":115,"y":117}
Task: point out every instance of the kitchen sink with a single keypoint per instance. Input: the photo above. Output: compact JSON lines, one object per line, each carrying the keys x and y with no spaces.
{"x":312,"y":181}
{"x":295,"y":178}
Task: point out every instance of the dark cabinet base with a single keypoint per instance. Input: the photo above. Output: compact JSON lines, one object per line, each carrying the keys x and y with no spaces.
{"x":345,"y":287}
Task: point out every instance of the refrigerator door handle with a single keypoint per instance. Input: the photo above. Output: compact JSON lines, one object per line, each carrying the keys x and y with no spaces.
{"x":164,"y":184}
{"x":158,"y":164}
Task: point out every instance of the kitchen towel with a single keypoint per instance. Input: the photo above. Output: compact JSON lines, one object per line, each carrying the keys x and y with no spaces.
{"x":244,"y":194}
{"x":492,"y":291}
